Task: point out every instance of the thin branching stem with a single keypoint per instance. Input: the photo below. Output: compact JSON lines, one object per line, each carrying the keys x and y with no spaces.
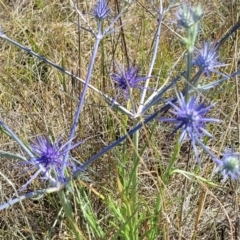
{"x":81,"y":101}
{"x":154,"y":57}
{"x":108,"y":99}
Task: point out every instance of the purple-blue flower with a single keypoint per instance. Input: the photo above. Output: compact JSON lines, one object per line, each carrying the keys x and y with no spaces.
{"x":191,"y":119}
{"x":229,"y":165}
{"x":101,"y":10}
{"x":48,"y":158}
{"x":207,"y":59}
{"x":47,"y":154}
{"x":128,"y":78}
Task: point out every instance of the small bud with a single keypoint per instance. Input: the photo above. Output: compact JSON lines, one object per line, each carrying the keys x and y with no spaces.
{"x":101,"y":10}
{"x":229,"y":165}
{"x":188,"y":16}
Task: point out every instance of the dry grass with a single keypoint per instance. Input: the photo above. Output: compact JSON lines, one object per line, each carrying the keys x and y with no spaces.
{"x":37,"y":99}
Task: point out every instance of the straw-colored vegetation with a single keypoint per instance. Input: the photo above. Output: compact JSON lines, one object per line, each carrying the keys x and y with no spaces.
{"x":37,"y":99}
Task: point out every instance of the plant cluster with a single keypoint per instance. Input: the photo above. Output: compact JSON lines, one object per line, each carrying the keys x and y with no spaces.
{"x":188,"y":111}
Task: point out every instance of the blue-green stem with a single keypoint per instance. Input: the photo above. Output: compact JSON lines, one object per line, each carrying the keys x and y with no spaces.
{"x":192,"y":32}
{"x":117,"y":142}
{"x":206,"y":149}
{"x":33,"y":195}
{"x":99,"y":37}
{"x":190,"y":45}
{"x":134,"y":175}
{"x":23,"y":146}
{"x":42,"y":58}
{"x":129,"y":133}
{"x":134,"y":193}
{"x":15,"y":137}
{"x":127,"y":207}
{"x":189,"y":70}
{"x":69,"y":214}
{"x":133,"y":185}
{"x":154,"y":57}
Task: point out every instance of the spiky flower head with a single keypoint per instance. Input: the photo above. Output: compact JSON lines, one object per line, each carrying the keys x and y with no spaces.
{"x":187,"y":16}
{"x":48,"y":159}
{"x":48,"y":154}
{"x":207,"y":59}
{"x":101,"y":10}
{"x":190,"y":119}
{"x":128,"y":78}
{"x":229,"y":165}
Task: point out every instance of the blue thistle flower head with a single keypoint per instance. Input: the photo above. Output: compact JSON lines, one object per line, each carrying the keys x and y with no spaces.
{"x":191,"y":119}
{"x":187,"y":16}
{"x":207,"y":59}
{"x":48,"y":159}
{"x":229,"y":165}
{"x":128,"y":78}
{"x":48,"y":154}
{"x":101,"y":10}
